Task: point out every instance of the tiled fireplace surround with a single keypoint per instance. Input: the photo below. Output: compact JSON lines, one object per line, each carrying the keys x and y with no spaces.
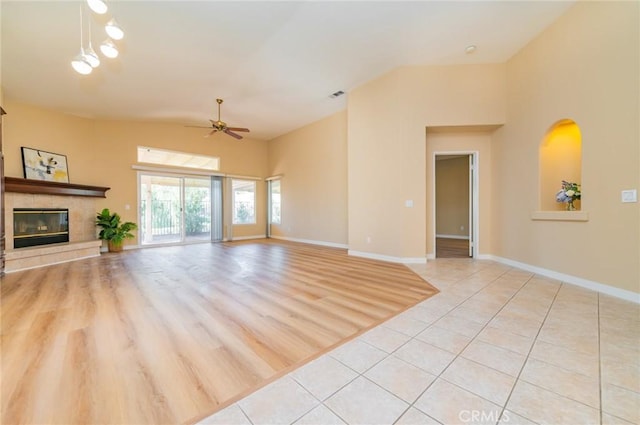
{"x":82,"y":231}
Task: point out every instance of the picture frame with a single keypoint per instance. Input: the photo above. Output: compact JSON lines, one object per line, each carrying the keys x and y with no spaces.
{"x":42,"y":165}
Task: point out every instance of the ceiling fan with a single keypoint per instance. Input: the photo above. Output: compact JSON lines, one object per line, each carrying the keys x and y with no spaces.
{"x":222,"y":126}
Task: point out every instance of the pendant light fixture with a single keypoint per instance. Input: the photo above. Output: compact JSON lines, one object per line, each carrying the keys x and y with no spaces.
{"x":114,"y":30}
{"x":80,"y":63}
{"x":98,"y":6}
{"x":90,"y":55}
{"x":109,"y":49}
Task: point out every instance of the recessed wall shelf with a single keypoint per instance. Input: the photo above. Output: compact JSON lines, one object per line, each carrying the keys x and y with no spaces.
{"x":560,"y":215}
{"x":41,"y":187}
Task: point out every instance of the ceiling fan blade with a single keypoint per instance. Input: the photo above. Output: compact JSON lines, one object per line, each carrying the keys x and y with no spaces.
{"x":232,"y":134}
{"x":211,"y":132}
{"x":238,"y":129}
{"x":198,"y":126}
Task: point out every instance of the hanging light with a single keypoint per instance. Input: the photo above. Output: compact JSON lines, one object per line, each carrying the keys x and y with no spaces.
{"x":98,"y":6}
{"x":90,"y":55}
{"x":80,"y":63}
{"x":114,"y":30}
{"x":109,"y":49}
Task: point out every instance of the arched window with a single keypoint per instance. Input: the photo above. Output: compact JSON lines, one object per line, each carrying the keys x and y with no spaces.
{"x":560,"y":160}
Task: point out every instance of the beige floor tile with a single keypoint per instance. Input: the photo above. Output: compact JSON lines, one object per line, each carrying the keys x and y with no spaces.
{"x":478,"y":316}
{"x":321,"y":415}
{"x":482,"y":303}
{"x":608,"y":419}
{"x":621,"y":402}
{"x":611,"y":307}
{"x":505,"y":339}
{"x":231,"y":415}
{"x":385,"y":339}
{"x":450,"y":404}
{"x":546,"y":407}
{"x":358,"y":355}
{"x":363,"y":402}
{"x":525,"y":309}
{"x":582,"y":388}
{"x":445,"y":339}
{"x":406,"y":325}
{"x":511,"y":418}
{"x":622,"y":338}
{"x":400,"y":378}
{"x":622,"y":373}
{"x":266,"y":406}
{"x":481,"y":380}
{"x":425,"y":356}
{"x":459,"y":325}
{"x":576,"y":361}
{"x":495,"y":357}
{"x":415,"y":417}
{"x":564,"y":337}
{"x":427,"y":314}
{"x":524,"y":327}
{"x":324,"y":376}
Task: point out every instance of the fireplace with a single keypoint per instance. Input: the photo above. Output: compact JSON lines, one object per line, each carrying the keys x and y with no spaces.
{"x":40,"y":226}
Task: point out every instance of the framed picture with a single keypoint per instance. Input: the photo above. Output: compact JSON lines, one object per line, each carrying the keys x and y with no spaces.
{"x":43,"y":165}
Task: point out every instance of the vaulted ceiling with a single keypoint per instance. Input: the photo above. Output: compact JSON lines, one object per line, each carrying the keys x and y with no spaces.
{"x":274,"y":63}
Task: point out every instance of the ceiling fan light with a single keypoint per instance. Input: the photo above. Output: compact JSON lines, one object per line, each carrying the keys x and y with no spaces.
{"x":81,"y":65}
{"x":98,"y":6}
{"x":109,"y":49}
{"x":91,"y":56}
{"x":114,"y":30}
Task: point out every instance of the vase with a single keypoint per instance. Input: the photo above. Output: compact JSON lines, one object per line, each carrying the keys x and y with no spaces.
{"x":570,"y":206}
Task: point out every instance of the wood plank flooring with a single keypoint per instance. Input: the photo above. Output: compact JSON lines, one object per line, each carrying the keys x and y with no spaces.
{"x":452,"y":248}
{"x":172,"y":334}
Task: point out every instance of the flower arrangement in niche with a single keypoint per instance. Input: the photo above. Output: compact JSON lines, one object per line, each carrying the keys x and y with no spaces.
{"x":569,"y":193}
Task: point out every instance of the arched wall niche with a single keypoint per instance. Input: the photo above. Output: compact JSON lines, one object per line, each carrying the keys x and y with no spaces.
{"x":560,"y":159}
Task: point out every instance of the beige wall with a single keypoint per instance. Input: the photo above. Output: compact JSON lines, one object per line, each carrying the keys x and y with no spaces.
{"x":313,"y":163}
{"x":584,"y":67}
{"x":102,"y":152}
{"x":452,"y":196}
{"x":387,"y":149}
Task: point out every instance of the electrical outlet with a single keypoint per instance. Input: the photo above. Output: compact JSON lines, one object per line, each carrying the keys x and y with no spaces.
{"x":630,"y":195}
{"x":368,"y":239}
{"x":461,"y":227}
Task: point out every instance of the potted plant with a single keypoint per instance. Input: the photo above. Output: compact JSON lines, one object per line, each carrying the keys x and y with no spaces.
{"x":113,"y":231}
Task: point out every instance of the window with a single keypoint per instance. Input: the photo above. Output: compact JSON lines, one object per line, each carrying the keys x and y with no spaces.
{"x":244,"y":201}
{"x":177,"y":159}
{"x":274,"y":192}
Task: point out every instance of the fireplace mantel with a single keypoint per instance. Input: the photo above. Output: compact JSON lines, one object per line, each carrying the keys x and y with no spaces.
{"x":17,"y":185}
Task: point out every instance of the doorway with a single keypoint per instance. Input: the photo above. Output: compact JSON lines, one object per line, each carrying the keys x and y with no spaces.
{"x":179,"y":209}
{"x":455,"y":205}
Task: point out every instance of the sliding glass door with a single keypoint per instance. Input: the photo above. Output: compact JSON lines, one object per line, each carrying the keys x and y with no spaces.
{"x":179,"y":209}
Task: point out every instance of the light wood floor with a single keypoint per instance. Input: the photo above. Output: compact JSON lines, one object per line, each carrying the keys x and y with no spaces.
{"x":452,"y":248}
{"x":169,"y":335}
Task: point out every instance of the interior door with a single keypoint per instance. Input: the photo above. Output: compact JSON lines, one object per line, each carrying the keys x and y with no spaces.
{"x":471,"y":198}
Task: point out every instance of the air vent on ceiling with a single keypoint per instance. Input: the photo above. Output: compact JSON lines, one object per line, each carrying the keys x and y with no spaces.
{"x":336,"y":94}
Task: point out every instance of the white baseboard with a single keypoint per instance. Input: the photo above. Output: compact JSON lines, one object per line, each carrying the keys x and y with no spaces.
{"x":431,"y":256}
{"x":381,"y":257}
{"x":245,"y":238}
{"x":311,"y":241}
{"x":453,"y":236}
{"x":566,"y":278}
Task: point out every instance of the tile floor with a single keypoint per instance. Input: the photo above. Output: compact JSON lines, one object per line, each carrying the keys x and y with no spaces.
{"x":496,"y":345}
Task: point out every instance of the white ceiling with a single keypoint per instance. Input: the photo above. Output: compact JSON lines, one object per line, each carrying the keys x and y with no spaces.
{"x":274,"y":63}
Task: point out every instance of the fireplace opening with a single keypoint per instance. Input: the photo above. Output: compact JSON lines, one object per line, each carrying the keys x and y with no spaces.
{"x":40,"y":226}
